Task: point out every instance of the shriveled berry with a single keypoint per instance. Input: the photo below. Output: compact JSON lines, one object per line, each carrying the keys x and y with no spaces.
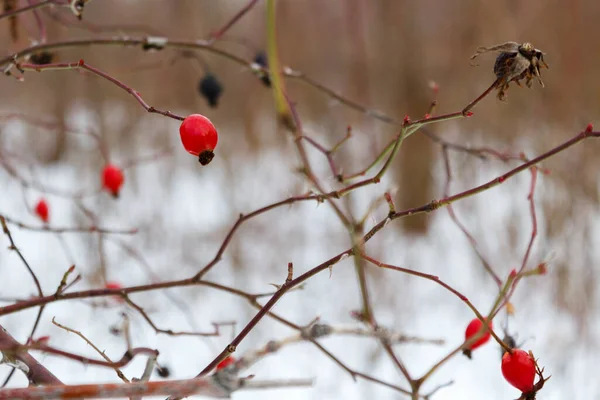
{"x":199,"y":137}
{"x":163,"y":371}
{"x":518,"y":369}
{"x":225,"y":363}
{"x":510,"y":341}
{"x":472,"y":329}
{"x":211,"y":89}
{"x":112,"y":179}
{"x":42,"y":210}
{"x":41,"y":58}
{"x":261,"y":59}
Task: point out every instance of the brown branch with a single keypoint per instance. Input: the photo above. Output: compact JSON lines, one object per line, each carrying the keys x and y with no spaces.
{"x":205,"y":387}
{"x":486,"y":265}
{"x":168,"y":331}
{"x":126,"y":359}
{"x":38,"y":374}
{"x":221,"y":31}
{"x":82,"y":65}
{"x":75,"y":229}
{"x":119,"y":373}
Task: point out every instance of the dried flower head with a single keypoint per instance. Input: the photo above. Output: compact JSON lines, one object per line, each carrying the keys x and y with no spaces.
{"x":515,"y":62}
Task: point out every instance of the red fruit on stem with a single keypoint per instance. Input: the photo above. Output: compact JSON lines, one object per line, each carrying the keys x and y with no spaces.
{"x":518,"y":369}
{"x":199,"y":137}
{"x":472,"y":329}
{"x":113,"y":285}
{"x":225,"y":363}
{"x":43,"y":340}
{"x":112,"y":179}
{"x":42,"y":211}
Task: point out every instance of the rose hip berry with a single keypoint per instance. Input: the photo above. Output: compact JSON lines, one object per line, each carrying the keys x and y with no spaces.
{"x":225,"y":363}
{"x":112,"y":179}
{"x":518,"y":369}
{"x":472,"y":329}
{"x":199,"y":137}
{"x":113,"y":285}
{"x":42,"y":210}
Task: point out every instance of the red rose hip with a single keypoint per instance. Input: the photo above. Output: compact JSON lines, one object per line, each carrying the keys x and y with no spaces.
{"x":42,"y":210}
{"x":113,"y":285}
{"x":112,"y":179}
{"x":472,"y":329}
{"x":199,"y":137}
{"x":518,"y":369}
{"x":225,"y":363}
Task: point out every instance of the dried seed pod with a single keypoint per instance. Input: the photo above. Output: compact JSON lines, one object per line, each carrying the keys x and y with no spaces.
{"x":515,"y":62}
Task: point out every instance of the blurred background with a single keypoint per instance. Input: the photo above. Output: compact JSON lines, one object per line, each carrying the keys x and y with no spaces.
{"x":384,"y":55}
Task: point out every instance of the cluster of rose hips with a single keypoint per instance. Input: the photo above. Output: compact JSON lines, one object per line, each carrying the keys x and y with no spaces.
{"x":198,"y":136}
{"x":518,"y":366}
{"x":112,"y":179}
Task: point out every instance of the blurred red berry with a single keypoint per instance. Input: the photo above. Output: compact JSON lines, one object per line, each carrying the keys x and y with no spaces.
{"x":42,"y":340}
{"x":542,"y":268}
{"x":518,"y":369}
{"x":225,"y":363}
{"x":199,"y":137}
{"x":112,"y":179}
{"x":42,"y":211}
{"x":113,"y":285}
{"x":472,"y":329}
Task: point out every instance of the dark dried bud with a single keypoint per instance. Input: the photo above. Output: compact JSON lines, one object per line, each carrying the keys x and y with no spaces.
{"x":261,"y":59}
{"x":41,"y":58}
{"x":510,"y":342}
{"x":206,"y":157}
{"x":163,"y":371}
{"x":211,"y":89}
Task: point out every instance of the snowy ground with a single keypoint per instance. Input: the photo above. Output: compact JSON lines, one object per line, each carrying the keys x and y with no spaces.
{"x":184,"y":214}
